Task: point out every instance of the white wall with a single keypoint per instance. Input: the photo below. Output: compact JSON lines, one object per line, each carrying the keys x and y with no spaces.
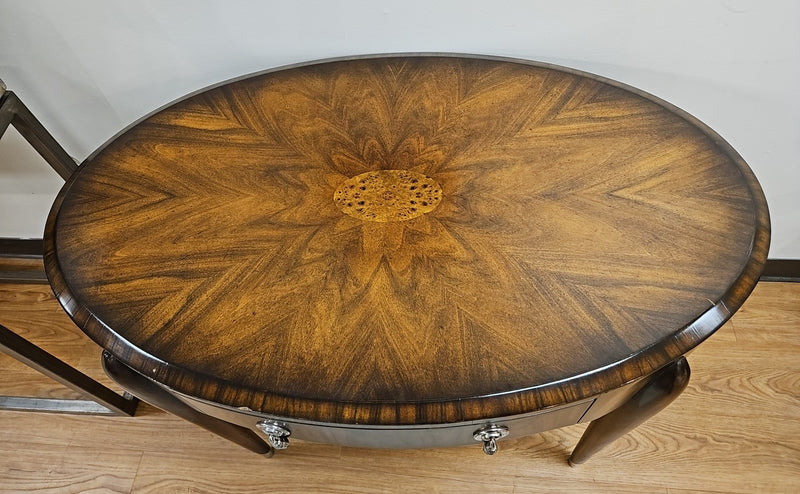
{"x":88,"y":68}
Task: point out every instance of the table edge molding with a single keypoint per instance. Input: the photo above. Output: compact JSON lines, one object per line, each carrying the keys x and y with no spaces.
{"x":513,"y":402}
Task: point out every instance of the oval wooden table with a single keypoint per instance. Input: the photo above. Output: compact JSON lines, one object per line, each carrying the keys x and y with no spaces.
{"x":408,"y":251}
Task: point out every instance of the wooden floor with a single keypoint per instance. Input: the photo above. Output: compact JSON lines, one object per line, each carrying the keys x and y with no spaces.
{"x":736,"y":429}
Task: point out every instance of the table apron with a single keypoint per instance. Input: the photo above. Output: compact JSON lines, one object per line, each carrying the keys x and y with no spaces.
{"x":400,"y":436}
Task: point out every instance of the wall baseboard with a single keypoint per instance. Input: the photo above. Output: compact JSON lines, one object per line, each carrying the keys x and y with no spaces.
{"x":21,"y":248}
{"x":781,"y":270}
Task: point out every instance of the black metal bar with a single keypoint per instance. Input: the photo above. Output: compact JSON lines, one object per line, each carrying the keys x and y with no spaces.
{"x":34,"y":132}
{"x":104,"y":401}
{"x":36,"y":358}
{"x":781,"y":270}
{"x":6,"y":110}
{"x":53,"y":405}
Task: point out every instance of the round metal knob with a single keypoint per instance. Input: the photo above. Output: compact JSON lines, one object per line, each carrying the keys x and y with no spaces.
{"x":489,"y":435}
{"x":277,"y":433}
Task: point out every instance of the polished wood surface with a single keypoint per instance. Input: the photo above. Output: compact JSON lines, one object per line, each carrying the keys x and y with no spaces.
{"x":734,"y":431}
{"x":581,"y":234}
{"x":163,"y":399}
{"x":665,"y":386}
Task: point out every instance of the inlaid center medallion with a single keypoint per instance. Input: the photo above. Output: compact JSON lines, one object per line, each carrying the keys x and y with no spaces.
{"x":388,"y":195}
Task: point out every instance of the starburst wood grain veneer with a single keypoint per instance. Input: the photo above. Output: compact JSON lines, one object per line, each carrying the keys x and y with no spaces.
{"x":408,"y":251}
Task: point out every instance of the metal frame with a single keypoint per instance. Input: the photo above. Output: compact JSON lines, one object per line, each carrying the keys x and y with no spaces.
{"x":102,"y":400}
{"x":14,"y":112}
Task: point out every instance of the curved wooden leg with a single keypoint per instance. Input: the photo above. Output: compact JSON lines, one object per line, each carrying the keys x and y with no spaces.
{"x":664,"y":386}
{"x":157,"y":396}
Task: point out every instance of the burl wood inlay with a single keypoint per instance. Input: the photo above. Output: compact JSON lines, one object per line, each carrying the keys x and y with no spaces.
{"x":388,"y":195}
{"x":578,"y":235}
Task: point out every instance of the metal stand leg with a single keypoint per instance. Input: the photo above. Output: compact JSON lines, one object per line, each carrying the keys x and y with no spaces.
{"x":157,"y":396}
{"x":25,"y":269}
{"x":103,"y":400}
{"x":660,"y":391}
{"x":14,"y":112}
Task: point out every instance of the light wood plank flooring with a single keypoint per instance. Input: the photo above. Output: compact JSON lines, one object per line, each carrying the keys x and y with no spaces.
{"x":736,"y":429}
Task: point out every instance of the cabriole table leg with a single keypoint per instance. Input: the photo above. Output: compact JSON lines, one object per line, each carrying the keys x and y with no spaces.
{"x":664,"y":386}
{"x":157,"y":396}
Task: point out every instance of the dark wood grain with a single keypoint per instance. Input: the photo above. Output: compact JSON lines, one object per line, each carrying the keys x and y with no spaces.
{"x":661,"y":390}
{"x":733,"y":430}
{"x":587,"y":234}
{"x":163,"y":399}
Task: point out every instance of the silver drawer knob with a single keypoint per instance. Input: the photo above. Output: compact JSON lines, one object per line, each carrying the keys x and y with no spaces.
{"x":277,"y":433}
{"x":489,"y":435}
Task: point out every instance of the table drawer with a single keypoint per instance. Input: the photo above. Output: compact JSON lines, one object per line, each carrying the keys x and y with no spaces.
{"x":410,"y":436}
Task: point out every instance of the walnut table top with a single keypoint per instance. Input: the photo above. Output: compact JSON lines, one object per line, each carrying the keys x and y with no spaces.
{"x":407,"y":239}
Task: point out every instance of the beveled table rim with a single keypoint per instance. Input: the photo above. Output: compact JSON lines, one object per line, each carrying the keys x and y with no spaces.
{"x":567,"y":390}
